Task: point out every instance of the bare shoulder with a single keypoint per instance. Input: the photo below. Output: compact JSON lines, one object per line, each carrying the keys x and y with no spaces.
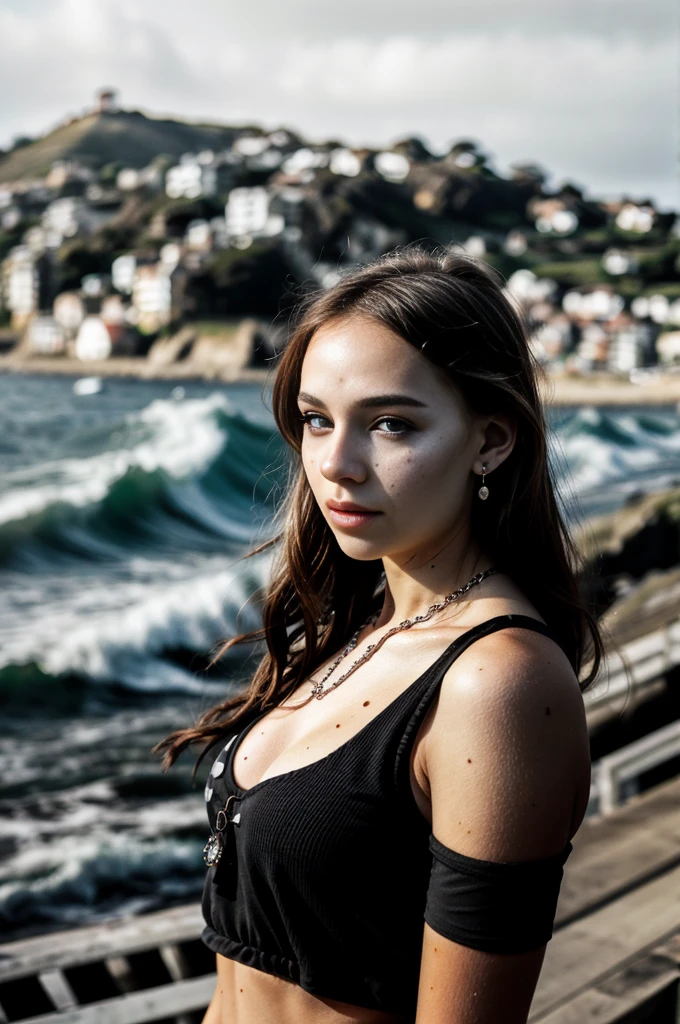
{"x":507,"y":756}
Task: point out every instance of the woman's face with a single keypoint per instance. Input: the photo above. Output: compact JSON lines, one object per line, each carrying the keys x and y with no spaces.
{"x":383,"y":431}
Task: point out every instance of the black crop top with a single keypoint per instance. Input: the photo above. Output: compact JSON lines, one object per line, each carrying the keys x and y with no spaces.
{"x":328,"y":871}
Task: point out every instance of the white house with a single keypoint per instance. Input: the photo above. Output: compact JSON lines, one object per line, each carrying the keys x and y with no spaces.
{"x":344,"y":162}
{"x":69,"y":311}
{"x":668,"y":347}
{"x":152,"y":296}
{"x":46,"y":337}
{"x":198,"y":236}
{"x":128,"y":179}
{"x":625,"y":350}
{"x":123,"y":273}
{"x":67,"y":217}
{"x":22,"y":283}
{"x":632,"y":217}
{"x":305,"y":159}
{"x":113,"y":311}
{"x":94,"y":340}
{"x":248,"y":216}
{"x":617,"y":262}
{"x":191,"y":178}
{"x":392,"y":166}
{"x":246,"y":211}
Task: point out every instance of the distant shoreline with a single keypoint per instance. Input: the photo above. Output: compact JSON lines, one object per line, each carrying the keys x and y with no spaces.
{"x":135,"y":368}
{"x":599,"y":389}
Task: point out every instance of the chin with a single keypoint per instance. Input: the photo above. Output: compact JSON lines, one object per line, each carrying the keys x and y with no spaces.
{"x":360,"y":550}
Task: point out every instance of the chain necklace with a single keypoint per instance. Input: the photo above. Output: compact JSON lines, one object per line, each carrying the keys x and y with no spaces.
{"x":221,"y":844}
{"x":318,"y":690}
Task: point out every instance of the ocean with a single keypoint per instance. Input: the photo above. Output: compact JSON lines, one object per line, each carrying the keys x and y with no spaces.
{"x":123,"y":518}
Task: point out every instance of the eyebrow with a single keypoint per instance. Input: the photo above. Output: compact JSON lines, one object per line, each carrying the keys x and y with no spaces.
{"x":372,"y":402}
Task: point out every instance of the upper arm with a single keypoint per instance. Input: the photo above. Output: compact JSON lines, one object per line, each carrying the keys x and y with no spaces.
{"x":508,"y":766}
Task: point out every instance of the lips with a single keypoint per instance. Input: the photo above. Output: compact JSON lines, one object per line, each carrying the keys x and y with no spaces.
{"x":349,"y":514}
{"x":348,"y":506}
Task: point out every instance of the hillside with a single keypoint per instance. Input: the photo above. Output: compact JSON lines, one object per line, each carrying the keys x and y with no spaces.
{"x":128,"y":137}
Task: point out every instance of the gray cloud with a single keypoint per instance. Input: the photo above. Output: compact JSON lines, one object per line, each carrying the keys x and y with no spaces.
{"x":304,"y":20}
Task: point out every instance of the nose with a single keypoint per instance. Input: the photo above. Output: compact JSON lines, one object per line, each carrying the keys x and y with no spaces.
{"x":342,"y":458}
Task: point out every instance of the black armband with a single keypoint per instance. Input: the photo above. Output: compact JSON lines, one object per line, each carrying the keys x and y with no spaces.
{"x":496,"y":906}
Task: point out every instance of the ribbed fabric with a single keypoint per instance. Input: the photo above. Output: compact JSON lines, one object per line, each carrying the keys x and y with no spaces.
{"x":497,"y":906}
{"x":327,"y":881}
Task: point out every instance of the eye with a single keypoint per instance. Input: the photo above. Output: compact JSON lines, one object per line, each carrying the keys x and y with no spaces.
{"x":309,"y":416}
{"x":402,"y":427}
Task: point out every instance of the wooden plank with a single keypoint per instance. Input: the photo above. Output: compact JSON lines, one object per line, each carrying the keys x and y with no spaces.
{"x":98,"y":942}
{"x":614,"y":854}
{"x":58,"y":989}
{"x":646,"y":984}
{"x":175,"y":962}
{"x":584,"y":952}
{"x":139,"y":1007}
{"x":596,"y":1007}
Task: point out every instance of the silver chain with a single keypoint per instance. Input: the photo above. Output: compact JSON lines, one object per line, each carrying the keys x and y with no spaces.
{"x":318,"y":690}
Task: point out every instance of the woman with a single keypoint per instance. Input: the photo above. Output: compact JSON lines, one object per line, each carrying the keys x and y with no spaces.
{"x":399,"y":785}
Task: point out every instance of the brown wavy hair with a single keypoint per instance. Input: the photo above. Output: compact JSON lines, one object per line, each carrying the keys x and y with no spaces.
{"x":452,"y":308}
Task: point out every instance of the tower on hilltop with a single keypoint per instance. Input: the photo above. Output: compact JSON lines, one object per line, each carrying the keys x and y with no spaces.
{"x":107,"y":101}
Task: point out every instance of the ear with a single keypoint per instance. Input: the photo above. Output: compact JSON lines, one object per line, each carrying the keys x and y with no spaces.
{"x":500,"y":434}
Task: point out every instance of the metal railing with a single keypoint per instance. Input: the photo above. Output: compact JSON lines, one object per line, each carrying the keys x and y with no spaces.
{"x":612,"y":772}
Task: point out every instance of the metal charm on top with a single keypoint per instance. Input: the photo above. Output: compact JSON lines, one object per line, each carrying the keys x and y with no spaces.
{"x":221,"y":841}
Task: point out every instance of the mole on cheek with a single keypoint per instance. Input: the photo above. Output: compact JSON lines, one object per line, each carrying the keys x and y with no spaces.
{"x":366,"y":703}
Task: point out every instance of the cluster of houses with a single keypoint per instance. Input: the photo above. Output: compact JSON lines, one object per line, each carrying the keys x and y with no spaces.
{"x":582,"y":330}
{"x":314,"y":202}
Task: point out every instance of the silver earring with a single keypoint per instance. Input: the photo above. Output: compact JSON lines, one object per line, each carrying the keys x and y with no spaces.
{"x":483,"y":491}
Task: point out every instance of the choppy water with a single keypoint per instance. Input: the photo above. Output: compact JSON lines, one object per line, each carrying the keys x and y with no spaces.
{"x":122,"y":518}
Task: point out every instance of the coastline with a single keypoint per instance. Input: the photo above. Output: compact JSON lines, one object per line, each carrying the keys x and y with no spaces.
{"x":136,"y":368}
{"x":598,"y":389}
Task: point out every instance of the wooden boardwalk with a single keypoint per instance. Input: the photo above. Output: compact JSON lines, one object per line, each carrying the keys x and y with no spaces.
{"x":615,"y":952}
{"x":614,"y":957}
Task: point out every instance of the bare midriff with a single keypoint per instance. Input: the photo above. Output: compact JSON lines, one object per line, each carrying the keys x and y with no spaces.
{"x":244,"y":995}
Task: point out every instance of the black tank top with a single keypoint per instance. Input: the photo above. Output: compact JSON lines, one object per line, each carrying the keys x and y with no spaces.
{"x":326,"y":879}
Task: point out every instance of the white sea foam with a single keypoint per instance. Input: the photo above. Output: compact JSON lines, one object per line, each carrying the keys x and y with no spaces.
{"x":603,"y":448}
{"x":63,"y":876}
{"x":181,"y":439}
{"x":119,"y":634}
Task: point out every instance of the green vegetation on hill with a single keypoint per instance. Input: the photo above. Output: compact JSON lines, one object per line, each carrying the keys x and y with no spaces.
{"x":127,"y":137}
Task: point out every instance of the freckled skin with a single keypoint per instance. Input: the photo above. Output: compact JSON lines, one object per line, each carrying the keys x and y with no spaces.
{"x":387,"y":458}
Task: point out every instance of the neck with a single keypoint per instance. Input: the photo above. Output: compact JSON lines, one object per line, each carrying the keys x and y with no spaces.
{"x":410,"y":589}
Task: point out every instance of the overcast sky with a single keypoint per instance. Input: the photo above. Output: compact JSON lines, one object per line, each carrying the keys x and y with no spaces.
{"x":586,"y":88}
